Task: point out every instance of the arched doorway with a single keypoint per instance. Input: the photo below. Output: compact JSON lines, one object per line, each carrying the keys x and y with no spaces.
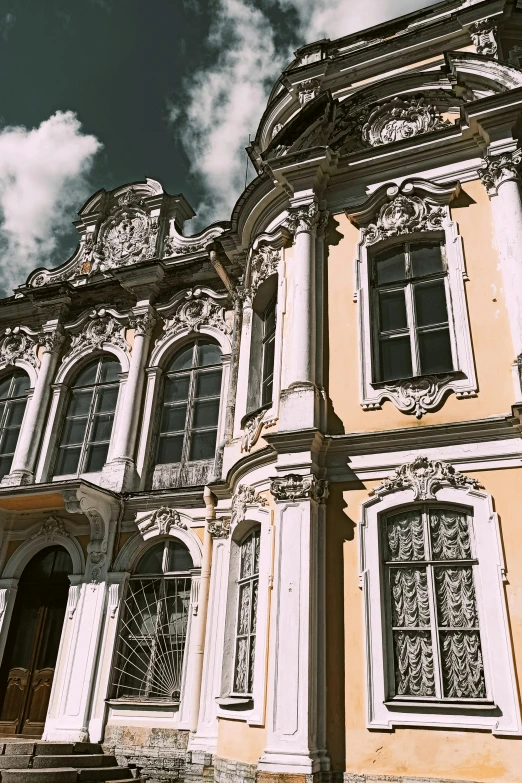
{"x":27,"y":671}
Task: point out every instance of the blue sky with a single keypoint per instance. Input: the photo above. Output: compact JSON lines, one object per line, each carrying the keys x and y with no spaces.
{"x":96,"y":93}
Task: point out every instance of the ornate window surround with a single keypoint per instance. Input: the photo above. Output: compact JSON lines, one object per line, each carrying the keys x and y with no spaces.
{"x":180,"y":327}
{"x":249,"y":424}
{"x":150,"y":532}
{"x":79,"y":355}
{"x":417,"y":209}
{"x":249,"y":512}
{"x":438,"y":482}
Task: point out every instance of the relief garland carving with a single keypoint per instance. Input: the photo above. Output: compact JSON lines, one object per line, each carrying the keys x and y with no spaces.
{"x":425,"y":477}
{"x":404,"y":215}
{"x":296,"y":487}
{"x":498,"y":169}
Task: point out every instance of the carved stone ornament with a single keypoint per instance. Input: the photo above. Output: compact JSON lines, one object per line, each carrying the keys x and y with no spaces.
{"x":51,"y":342}
{"x":172,"y":248}
{"x":51,"y":528}
{"x":219,"y":528}
{"x":308,"y":90}
{"x":100,"y":329}
{"x":401,"y":118}
{"x":196,"y":311}
{"x":244,"y":496}
{"x":304,"y":218}
{"x":161,"y":522}
{"x":18,"y":344}
{"x":143,"y":324}
{"x":263,"y":264}
{"x":498,"y":169}
{"x":418,"y":395}
{"x":484,"y":37}
{"x":425,"y":477}
{"x":296,"y":487}
{"x":404,"y":215}
{"x":128,"y":235}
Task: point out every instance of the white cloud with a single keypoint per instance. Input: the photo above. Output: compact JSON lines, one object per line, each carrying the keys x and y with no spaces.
{"x":224,"y":101}
{"x":7,"y":22}
{"x":43,"y":177}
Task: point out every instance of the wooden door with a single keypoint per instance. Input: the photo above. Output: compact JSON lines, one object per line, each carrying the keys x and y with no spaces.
{"x":27,"y":671}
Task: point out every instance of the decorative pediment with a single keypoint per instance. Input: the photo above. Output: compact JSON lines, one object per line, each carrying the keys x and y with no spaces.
{"x":160,"y":522}
{"x":425,"y":477}
{"x":401,"y":118}
{"x":19,"y":343}
{"x":95,"y":329}
{"x":193,"y":310}
{"x":51,"y":529}
{"x":243,"y":497}
{"x":175,"y":244}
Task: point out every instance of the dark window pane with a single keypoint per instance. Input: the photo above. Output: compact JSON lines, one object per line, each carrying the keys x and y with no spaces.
{"x":392,"y":310}
{"x":390,"y":265}
{"x":268,"y":358}
{"x":21,"y":385}
{"x":25,"y":636}
{"x":110,"y":370}
{"x":208,"y":384}
{"x":5,"y":465}
{"x":179,"y":558}
{"x":430,"y":303}
{"x":107,"y":399}
{"x":270,"y":318}
{"x":203,"y":445}
{"x":183,"y":360}
{"x":173,"y":418}
{"x":2,"y":408}
{"x":267,"y":393}
{"x":96,"y":458}
{"x":208,"y":353}
{"x":395,"y":359}
{"x":88,"y":375}
{"x":170,"y":448}
{"x":67,"y":461}
{"x":206,"y":413}
{"x":5,"y":385}
{"x":9,"y":440}
{"x":62,"y":564}
{"x":74,"y":431}
{"x":102,"y":428}
{"x":426,"y":259}
{"x":51,"y":635}
{"x":80,"y":403}
{"x":15,"y":413}
{"x":177,"y":388}
{"x":152,"y":561}
{"x":435,"y":352}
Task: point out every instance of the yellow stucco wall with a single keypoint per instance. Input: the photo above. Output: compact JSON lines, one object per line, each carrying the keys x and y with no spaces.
{"x":489,"y":326}
{"x":237,"y":740}
{"x":457,"y":755}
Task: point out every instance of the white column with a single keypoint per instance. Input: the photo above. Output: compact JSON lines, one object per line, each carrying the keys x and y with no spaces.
{"x":295,"y":741}
{"x":118,"y":474}
{"x":501,"y":177}
{"x":23,"y":467}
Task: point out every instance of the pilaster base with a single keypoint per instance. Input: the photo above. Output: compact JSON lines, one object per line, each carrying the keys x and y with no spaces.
{"x":119,"y":475}
{"x":18,"y":478}
{"x":300,"y":407}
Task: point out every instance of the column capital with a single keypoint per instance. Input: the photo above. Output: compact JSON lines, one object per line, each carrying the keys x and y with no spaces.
{"x":52,"y":339}
{"x":304,"y":217}
{"x":143,"y":322}
{"x":498,"y":169}
{"x":294,"y":487}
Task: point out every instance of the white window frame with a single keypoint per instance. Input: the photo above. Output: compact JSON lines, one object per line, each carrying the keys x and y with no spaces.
{"x":503,"y":716}
{"x":249,"y":708}
{"x":462,"y":381}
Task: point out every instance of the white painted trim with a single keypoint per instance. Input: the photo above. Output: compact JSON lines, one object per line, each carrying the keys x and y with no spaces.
{"x":498,"y":660}
{"x":23,"y":554}
{"x":136,"y":546}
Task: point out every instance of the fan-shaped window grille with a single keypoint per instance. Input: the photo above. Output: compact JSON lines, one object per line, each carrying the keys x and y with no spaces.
{"x":153,"y":628}
{"x":432,"y":605}
{"x":191,"y":401}
{"x":248,"y":583}
{"x":90,"y":415}
{"x":13,"y":399}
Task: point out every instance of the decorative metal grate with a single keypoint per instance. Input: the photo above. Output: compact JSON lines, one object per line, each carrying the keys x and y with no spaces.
{"x":152,"y":639}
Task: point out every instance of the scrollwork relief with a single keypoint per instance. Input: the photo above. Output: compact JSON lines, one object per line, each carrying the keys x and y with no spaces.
{"x":425,"y":477}
{"x":418,"y":395}
{"x":219,"y":528}
{"x":295,"y":487}
{"x":101,"y":328}
{"x":50,"y":529}
{"x":161,"y":522}
{"x":196,"y":311}
{"x":401,"y":118}
{"x":263,"y":264}
{"x":244,"y":496}
{"x":404,"y":215}
{"x":18,"y":343}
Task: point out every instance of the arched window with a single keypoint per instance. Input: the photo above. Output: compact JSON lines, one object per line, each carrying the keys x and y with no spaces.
{"x":13,"y":399}
{"x":248,"y":586}
{"x":191,"y":400}
{"x":154,"y":625}
{"x":411,"y":314}
{"x":90,"y":415}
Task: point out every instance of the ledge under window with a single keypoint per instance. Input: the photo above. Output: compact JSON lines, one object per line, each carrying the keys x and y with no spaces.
{"x":446,"y":705}
{"x":235,"y":702}
{"x":142,"y":704}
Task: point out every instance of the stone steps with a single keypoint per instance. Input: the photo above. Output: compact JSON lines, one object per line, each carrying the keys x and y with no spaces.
{"x":23,"y":761}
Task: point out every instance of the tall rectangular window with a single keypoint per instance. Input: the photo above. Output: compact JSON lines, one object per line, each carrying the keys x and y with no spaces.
{"x":410,"y":312}
{"x":248,"y":584}
{"x":432,"y":605}
{"x":269,"y":332}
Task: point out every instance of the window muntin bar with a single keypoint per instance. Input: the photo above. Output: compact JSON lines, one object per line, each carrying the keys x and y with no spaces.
{"x":13,"y":401}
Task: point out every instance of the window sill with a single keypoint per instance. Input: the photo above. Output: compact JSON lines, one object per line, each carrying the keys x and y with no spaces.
{"x":450,"y":374}
{"x":145,"y":704}
{"x":447,"y":706}
{"x":235,"y":702}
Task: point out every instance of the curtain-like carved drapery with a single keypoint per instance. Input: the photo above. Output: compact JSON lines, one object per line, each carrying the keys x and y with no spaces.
{"x":248,"y":585}
{"x":434,"y":615}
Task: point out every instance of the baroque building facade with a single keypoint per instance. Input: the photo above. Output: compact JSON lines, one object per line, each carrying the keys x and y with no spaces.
{"x":260,"y":487}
